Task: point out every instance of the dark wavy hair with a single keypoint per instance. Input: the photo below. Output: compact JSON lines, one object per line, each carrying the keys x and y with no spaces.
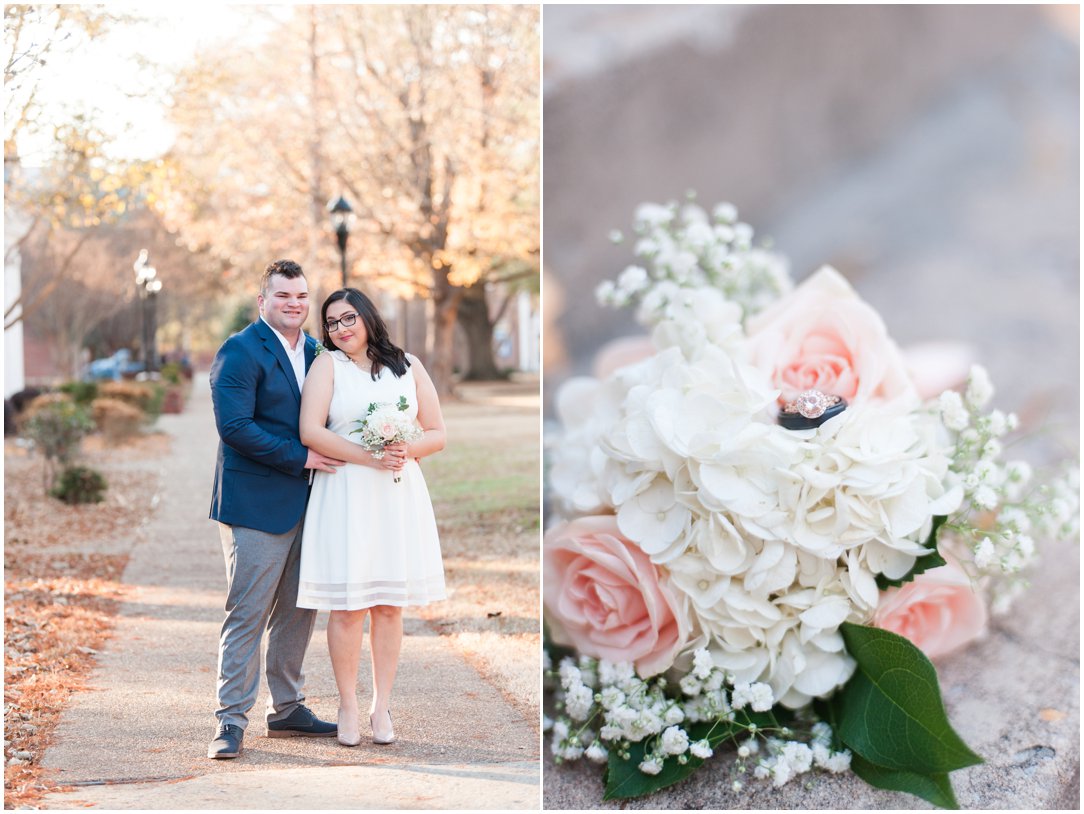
{"x":381,"y":352}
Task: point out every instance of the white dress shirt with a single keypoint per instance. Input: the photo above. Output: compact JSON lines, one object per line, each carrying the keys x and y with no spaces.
{"x":295,"y":355}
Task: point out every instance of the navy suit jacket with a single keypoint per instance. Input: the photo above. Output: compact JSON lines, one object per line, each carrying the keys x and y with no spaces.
{"x":260,"y":477}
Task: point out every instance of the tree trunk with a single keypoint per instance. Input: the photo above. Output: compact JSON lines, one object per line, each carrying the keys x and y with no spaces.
{"x":443,"y":357}
{"x":473,"y":316}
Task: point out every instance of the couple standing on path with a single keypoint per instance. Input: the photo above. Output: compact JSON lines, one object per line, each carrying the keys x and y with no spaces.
{"x":362,"y":542}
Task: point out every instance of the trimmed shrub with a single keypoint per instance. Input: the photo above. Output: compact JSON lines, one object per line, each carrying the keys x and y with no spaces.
{"x":81,"y":392}
{"x":172,"y":373}
{"x":56,"y":425}
{"x":146,"y":396}
{"x":117,"y":420}
{"x":45,"y":401}
{"x":80,"y":484}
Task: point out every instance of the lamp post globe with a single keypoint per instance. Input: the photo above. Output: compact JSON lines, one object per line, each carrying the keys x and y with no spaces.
{"x":342,"y":215}
{"x":148,"y":287}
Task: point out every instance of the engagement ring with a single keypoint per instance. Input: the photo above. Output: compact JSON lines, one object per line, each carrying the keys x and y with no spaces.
{"x":811,"y":409}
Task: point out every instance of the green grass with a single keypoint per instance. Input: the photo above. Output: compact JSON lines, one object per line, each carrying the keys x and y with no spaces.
{"x":469,"y":480}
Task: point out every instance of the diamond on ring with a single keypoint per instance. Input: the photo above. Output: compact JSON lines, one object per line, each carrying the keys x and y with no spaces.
{"x":812,"y":405}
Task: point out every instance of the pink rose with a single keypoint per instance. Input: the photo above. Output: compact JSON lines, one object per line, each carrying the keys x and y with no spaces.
{"x":822,"y":336}
{"x":938,"y":612}
{"x":388,"y":431}
{"x":618,"y":353}
{"x":938,"y":366}
{"x":605,"y":598}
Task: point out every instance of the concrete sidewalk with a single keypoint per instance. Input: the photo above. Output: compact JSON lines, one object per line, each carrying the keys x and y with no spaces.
{"x":138,"y":738}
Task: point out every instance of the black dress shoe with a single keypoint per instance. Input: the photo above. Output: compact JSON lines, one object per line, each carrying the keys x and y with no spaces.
{"x":227,"y":742}
{"x":301,"y":723}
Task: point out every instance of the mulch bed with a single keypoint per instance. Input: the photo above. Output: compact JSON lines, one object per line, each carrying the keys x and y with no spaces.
{"x":62,"y":570}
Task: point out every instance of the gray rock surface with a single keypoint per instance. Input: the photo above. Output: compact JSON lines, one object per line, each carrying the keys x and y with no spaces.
{"x":138,"y":738}
{"x":930,"y":153}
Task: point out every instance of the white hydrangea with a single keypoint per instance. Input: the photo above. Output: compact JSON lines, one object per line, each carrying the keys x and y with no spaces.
{"x":585,"y":406}
{"x":774,"y":537}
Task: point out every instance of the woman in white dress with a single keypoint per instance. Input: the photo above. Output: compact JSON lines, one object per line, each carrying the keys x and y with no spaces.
{"x":370,"y":542}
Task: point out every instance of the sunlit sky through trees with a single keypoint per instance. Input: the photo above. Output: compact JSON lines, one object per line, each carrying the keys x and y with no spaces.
{"x":120,"y":80}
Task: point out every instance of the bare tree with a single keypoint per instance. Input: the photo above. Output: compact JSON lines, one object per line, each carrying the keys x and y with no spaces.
{"x":425,"y":116}
{"x":32,"y":35}
{"x":79,"y":190}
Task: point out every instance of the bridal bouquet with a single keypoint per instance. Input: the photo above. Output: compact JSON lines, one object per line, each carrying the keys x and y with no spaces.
{"x":386,"y":424}
{"x":766,"y":523}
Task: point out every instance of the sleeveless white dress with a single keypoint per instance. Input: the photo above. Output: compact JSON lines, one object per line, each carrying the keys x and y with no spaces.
{"x":368,"y":540}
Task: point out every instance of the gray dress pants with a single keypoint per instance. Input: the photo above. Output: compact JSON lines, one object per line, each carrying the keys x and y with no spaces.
{"x":262,"y":572}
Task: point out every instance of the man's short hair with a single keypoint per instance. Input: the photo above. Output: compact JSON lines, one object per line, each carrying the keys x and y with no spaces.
{"x":284,"y":268}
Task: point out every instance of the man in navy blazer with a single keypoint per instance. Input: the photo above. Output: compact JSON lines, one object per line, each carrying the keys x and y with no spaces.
{"x":260,"y":491}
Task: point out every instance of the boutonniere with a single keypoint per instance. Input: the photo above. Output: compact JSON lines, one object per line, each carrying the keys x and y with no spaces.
{"x":318,"y":350}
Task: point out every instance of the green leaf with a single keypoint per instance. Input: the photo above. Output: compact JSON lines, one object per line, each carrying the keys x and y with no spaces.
{"x":624,"y":778}
{"x":826,"y":711}
{"x":924,"y":563}
{"x":935,"y":787}
{"x":890,"y":712}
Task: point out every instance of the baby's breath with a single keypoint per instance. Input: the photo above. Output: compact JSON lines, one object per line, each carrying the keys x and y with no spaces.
{"x":629,"y":710}
{"x":1001,"y":505}
{"x":681,"y":246}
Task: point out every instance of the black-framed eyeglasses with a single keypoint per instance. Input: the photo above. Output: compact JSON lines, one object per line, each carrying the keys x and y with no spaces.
{"x":345,"y":321}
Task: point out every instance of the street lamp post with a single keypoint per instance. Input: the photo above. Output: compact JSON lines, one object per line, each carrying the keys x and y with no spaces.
{"x":342,"y":215}
{"x":148,"y":286}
